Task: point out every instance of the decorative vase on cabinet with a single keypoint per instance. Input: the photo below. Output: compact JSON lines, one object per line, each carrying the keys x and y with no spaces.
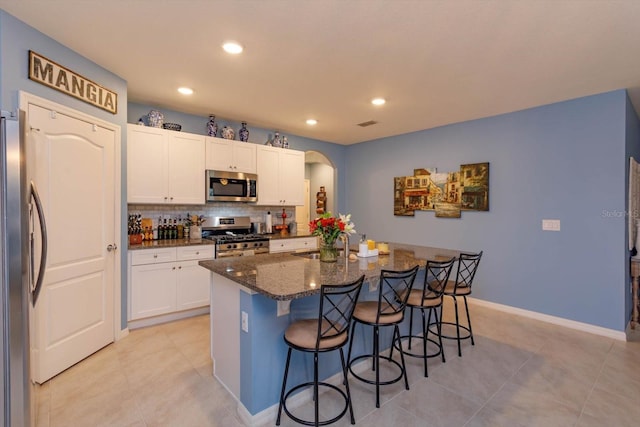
{"x":228,"y":133}
{"x":212,"y":126}
{"x":156,"y":118}
{"x":243,"y":133}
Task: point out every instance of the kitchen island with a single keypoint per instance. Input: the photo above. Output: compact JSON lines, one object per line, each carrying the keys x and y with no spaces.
{"x":255,"y":298}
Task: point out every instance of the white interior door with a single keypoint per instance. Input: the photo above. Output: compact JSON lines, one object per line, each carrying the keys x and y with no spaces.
{"x":72,"y":162}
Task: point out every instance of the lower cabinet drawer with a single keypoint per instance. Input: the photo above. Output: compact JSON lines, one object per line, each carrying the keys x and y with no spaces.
{"x":195,"y":252}
{"x":295,"y":244}
{"x":152,"y":256}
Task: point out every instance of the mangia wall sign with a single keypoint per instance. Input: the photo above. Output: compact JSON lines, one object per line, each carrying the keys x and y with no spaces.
{"x":47,"y":72}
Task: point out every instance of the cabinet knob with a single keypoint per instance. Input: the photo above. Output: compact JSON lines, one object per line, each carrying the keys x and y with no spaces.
{"x":165,"y":197}
{"x":198,"y":253}
{"x":155,"y":255}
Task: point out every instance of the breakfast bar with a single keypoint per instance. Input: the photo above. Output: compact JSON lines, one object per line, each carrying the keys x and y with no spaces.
{"x":255,"y":298}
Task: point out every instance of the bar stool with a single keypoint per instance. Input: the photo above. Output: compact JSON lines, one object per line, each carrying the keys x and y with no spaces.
{"x":429,"y":298}
{"x":461,"y":287}
{"x":328,"y":332}
{"x":388,"y":310}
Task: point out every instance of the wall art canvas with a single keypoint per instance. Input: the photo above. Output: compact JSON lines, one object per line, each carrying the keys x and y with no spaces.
{"x":446,"y":193}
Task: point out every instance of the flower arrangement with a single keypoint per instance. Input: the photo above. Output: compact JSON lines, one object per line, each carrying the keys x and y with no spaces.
{"x":329,"y":227}
{"x":194,"y":220}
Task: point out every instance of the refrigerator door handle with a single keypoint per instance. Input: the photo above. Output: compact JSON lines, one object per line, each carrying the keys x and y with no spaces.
{"x":35,"y":288}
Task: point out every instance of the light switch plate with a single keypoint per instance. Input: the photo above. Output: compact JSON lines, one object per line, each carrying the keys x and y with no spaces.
{"x":551,"y":224}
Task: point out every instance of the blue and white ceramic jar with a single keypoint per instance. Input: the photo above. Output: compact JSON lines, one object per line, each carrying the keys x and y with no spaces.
{"x":228,"y":133}
{"x":276,"y":140}
{"x":212,"y":126}
{"x":156,"y":118}
{"x":243,"y":133}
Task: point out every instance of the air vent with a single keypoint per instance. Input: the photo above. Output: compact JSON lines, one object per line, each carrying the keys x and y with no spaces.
{"x":369,"y":123}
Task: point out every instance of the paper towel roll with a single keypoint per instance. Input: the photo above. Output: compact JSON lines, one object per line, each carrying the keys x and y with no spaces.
{"x":269,"y":225}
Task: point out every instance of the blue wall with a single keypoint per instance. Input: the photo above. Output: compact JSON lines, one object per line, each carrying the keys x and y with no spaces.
{"x":632,"y":150}
{"x":562,"y":161}
{"x":16,"y":39}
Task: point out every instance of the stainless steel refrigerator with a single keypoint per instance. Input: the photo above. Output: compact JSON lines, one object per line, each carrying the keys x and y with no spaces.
{"x":20,"y":270}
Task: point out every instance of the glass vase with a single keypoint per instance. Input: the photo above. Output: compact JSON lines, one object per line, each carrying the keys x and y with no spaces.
{"x":328,"y":251}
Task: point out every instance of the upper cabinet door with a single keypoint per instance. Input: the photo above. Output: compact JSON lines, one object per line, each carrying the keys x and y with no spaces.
{"x":268,"y":170}
{"x":292,"y":177}
{"x":280,"y":176}
{"x":244,"y":157}
{"x":147,"y":164}
{"x":186,"y":183}
{"x":164,"y":166}
{"x":230,"y":156}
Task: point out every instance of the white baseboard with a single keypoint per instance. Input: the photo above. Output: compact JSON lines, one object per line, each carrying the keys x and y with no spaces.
{"x":122,"y":333}
{"x":164,"y":318}
{"x":572,"y":324}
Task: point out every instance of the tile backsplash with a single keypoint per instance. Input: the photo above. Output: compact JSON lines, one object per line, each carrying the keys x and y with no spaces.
{"x":256,"y":213}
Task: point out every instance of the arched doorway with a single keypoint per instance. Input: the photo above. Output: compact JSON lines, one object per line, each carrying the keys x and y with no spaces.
{"x":319,"y":171}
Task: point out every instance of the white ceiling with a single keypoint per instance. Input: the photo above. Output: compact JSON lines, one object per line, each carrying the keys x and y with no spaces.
{"x":436,"y":62}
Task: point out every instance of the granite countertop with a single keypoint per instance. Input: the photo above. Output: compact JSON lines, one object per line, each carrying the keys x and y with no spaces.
{"x":284,"y":276}
{"x":173,"y":243}
{"x":170,"y":243}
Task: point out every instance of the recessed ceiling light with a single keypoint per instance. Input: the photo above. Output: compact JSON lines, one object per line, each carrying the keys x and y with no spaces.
{"x":378,"y":101}
{"x":232,"y":47}
{"x":312,"y":122}
{"x":185,"y":90}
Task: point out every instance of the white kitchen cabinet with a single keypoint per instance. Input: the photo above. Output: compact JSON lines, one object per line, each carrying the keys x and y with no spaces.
{"x":164,"y":166}
{"x":167,"y":280}
{"x":293,"y":244}
{"x":280,"y":176}
{"x":231,"y":156}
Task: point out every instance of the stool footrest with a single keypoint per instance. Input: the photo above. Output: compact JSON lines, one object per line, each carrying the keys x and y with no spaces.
{"x":371,"y":356}
{"x":407,"y":352}
{"x":453,"y":337}
{"x":312,"y":423}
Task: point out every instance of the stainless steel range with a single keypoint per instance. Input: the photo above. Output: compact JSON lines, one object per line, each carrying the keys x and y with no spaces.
{"x":233,"y":237}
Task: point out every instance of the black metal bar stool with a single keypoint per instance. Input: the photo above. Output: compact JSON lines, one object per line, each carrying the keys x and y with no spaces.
{"x":388,"y":310}
{"x":429,"y":299}
{"x":328,"y":332}
{"x":461,"y":287}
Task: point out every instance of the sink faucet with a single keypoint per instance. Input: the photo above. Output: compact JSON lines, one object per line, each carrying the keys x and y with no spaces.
{"x":345,"y":245}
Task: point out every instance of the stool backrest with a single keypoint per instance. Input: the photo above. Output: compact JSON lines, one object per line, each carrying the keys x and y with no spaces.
{"x":467,"y":267}
{"x":337,"y":303}
{"x":395,"y":287}
{"x":436,"y":276}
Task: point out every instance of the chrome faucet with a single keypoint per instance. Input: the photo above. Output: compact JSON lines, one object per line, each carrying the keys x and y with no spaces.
{"x":345,"y":245}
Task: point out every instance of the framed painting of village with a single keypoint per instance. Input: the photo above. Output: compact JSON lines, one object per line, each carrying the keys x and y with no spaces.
{"x":448,"y":194}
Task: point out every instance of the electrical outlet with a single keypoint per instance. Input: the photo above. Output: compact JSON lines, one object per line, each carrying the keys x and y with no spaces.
{"x":551,"y":224}
{"x":283,"y":308}
{"x":245,"y":321}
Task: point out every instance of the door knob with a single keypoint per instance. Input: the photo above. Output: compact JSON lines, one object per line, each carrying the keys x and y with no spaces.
{"x":113,"y":247}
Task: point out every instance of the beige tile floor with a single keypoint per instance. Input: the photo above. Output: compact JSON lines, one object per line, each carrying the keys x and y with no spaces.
{"x":521,"y":372}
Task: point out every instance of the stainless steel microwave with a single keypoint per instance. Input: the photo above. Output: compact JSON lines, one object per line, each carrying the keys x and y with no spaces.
{"x":231,"y":186}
